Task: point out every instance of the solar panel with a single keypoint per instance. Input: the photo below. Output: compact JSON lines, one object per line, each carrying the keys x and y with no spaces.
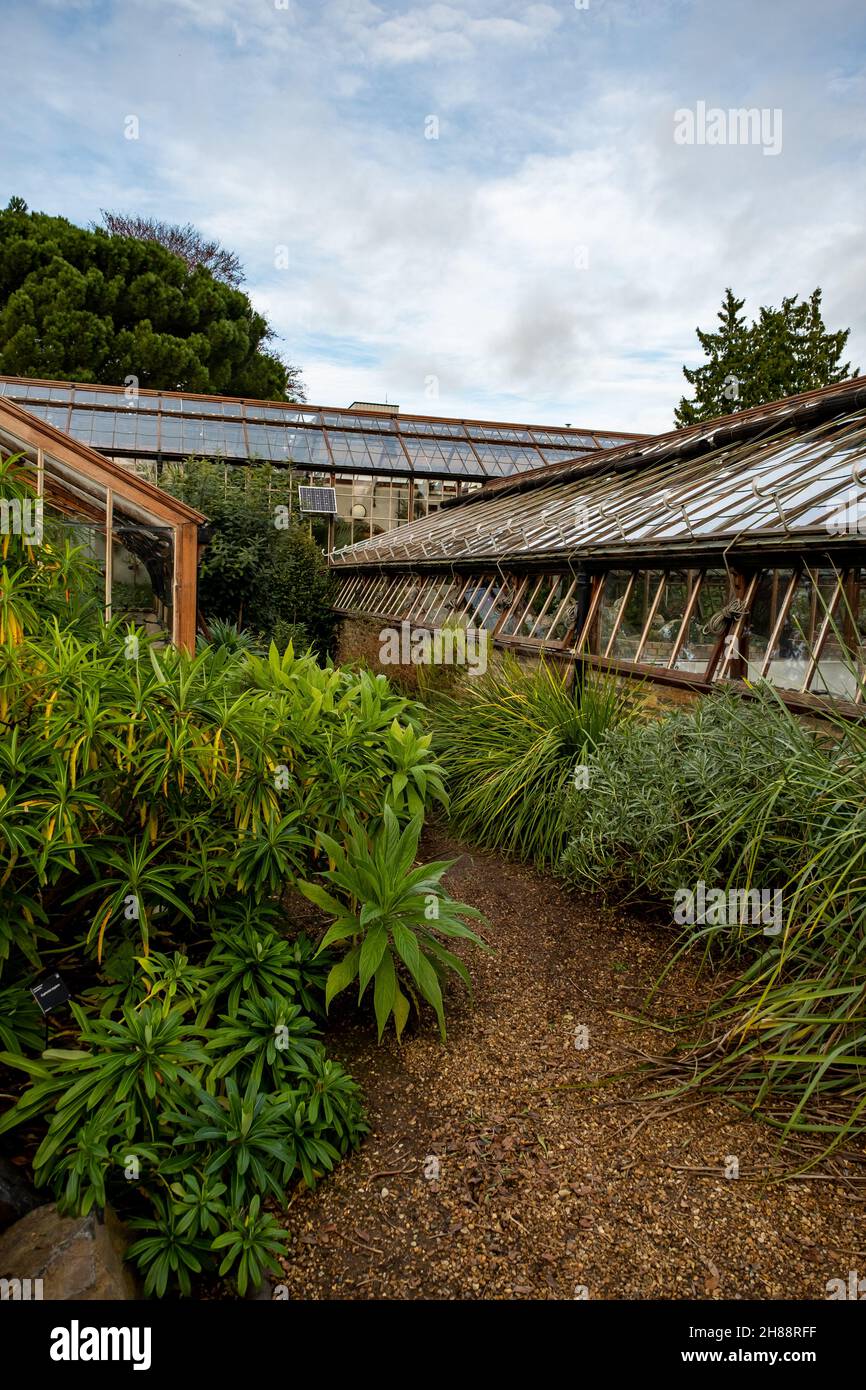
{"x":318,"y":499}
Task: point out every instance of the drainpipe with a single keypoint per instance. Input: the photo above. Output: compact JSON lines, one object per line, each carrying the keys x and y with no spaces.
{"x":583,"y":597}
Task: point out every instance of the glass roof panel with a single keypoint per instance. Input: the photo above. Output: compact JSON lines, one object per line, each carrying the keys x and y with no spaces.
{"x":349,"y":449}
{"x":308,"y":447}
{"x":181,"y":425}
{"x":446,"y":429}
{"x":95,"y":395}
{"x":493,"y":456}
{"x":47,"y":392}
{"x":499,"y":436}
{"x":57,"y":415}
{"x":550,"y":437}
{"x":376,"y":424}
{"x":280,"y":445}
{"x":387,"y":452}
{"x":269,"y":412}
{"x":236,"y":444}
{"x":560,"y":455}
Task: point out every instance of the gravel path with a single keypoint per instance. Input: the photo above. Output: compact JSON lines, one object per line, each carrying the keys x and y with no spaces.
{"x":547,"y":1188}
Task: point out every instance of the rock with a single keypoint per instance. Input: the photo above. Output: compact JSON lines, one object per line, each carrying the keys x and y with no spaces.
{"x":260,"y":1293}
{"x":17,"y":1195}
{"x":75,"y":1257}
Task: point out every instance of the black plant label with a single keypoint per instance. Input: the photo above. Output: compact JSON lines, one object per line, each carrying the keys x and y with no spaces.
{"x":50,"y":993}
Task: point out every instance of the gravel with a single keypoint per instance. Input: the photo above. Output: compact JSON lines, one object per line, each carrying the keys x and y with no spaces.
{"x":512,"y":1163}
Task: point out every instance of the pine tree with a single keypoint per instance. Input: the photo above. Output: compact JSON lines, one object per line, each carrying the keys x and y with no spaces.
{"x":784,"y":351}
{"x":717,"y":382}
{"x":83,"y":305}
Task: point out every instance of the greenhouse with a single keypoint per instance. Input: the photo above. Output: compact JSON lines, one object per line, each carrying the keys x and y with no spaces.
{"x":387,"y":969}
{"x":722,"y":553}
{"x":384,"y":467}
{"x":152,"y":539}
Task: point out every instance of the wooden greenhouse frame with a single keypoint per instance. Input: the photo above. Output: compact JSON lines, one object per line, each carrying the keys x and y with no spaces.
{"x":76,"y":481}
{"x":730,"y":551}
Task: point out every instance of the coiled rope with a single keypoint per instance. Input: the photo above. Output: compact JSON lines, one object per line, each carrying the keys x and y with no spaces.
{"x":735,"y":608}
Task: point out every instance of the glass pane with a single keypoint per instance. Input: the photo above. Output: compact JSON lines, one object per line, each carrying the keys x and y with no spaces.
{"x":612,"y":598}
{"x":434,"y":590}
{"x":486,"y":603}
{"x":668,"y":617}
{"x":562,"y":616}
{"x":836,"y":672}
{"x":373,"y":592}
{"x":635,"y":614}
{"x":505,"y":600}
{"x":544,"y":599}
{"x":445,"y":606}
{"x":700,"y":641}
{"x":789,"y":657}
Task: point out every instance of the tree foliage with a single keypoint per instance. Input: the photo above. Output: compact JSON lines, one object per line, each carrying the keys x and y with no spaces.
{"x":84,"y":305}
{"x":261,"y":570}
{"x":185,"y":241}
{"x":784,"y":351}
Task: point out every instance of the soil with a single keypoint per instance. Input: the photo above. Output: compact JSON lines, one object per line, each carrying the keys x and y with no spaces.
{"x":504,"y":1164}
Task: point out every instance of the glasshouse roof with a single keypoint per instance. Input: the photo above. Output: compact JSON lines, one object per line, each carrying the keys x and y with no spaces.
{"x":175,"y":425}
{"x":773,"y":476}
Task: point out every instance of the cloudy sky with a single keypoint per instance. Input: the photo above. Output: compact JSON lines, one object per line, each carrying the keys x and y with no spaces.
{"x":474,"y":209}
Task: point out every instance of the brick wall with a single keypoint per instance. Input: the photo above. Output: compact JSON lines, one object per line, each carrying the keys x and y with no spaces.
{"x":359,"y":642}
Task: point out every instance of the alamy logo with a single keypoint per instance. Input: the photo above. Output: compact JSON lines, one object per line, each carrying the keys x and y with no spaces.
{"x":716,"y":907}
{"x":22,"y":518}
{"x":443,"y":646}
{"x":852,"y":1288}
{"x":740,"y":125}
{"x":76,"y":1343}
{"x":21,"y":1290}
{"x":850,"y":518}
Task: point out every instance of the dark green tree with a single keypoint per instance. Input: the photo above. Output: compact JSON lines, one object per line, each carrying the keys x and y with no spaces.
{"x":261,"y":569}
{"x":83,"y":305}
{"x":784,"y":351}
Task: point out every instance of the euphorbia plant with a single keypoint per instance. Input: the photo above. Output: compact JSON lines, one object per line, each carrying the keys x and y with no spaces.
{"x":393,"y":915}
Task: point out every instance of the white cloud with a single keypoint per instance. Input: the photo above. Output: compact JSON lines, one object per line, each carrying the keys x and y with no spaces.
{"x":458,"y":258}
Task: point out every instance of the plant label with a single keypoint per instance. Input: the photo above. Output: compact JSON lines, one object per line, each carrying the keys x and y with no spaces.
{"x":50,"y":993}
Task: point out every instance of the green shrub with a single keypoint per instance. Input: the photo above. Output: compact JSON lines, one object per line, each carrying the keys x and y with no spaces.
{"x":253,"y":1243}
{"x":21,"y":1022}
{"x":152,"y":1103}
{"x":155,"y":807}
{"x":261,"y":569}
{"x":230,"y":637}
{"x":747,"y":796}
{"x":393,"y":915}
{"x":660,"y":809}
{"x":145,"y":790}
{"x":510,"y":743}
